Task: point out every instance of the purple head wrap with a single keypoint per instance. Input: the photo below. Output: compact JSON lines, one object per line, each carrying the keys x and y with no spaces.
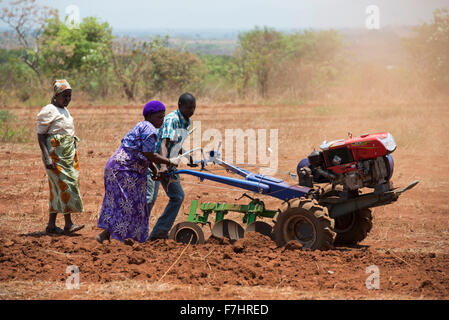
{"x":153,"y":107}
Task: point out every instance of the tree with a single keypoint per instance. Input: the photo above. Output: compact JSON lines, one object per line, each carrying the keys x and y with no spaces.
{"x":429,"y":49}
{"x":14,"y":73}
{"x":258,"y":53}
{"x":311,"y":62}
{"x":222,"y":76}
{"x":67,"y":49}
{"x":130,"y":59}
{"x":28,"y":20}
{"x":81,"y":52}
{"x":172,"y":70}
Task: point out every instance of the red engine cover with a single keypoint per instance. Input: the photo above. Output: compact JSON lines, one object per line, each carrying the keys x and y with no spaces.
{"x":368,"y":146}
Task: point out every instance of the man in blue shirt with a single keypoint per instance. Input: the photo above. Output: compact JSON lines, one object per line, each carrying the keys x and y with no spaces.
{"x":171,"y":134}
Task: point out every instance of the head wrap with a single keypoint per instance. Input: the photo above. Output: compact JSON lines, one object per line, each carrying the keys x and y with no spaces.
{"x":153,"y":107}
{"x":60,"y":85}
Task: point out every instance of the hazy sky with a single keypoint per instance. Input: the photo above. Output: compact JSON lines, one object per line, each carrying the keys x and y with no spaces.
{"x":245,"y":14}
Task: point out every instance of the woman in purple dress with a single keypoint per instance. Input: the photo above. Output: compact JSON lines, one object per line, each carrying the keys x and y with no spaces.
{"x":124,"y":213}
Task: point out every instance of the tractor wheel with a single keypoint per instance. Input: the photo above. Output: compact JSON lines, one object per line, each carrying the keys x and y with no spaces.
{"x":353,"y":227}
{"x":306,"y":221}
{"x":187,"y":232}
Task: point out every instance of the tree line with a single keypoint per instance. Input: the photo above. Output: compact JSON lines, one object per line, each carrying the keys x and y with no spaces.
{"x":267,"y":63}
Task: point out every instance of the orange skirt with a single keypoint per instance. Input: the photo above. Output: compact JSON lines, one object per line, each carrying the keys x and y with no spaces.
{"x":65,"y":194}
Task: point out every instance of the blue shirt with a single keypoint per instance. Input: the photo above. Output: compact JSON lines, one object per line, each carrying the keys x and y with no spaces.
{"x":174,"y":128}
{"x":143,"y":137}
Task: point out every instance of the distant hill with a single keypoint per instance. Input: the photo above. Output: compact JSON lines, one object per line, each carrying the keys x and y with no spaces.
{"x":185,"y":34}
{"x":370,"y":45}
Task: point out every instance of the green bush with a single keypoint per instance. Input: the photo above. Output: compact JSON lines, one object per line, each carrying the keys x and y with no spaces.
{"x":429,"y":50}
{"x":10,"y":130}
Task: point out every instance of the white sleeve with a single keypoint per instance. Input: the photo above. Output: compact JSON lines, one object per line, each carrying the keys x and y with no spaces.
{"x":44,"y":119}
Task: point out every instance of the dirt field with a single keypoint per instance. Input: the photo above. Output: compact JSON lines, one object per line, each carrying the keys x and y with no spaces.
{"x":409,"y":241}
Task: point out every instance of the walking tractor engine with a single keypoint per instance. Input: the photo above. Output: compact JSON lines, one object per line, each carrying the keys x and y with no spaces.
{"x":364,"y":161}
{"x":329,"y":206}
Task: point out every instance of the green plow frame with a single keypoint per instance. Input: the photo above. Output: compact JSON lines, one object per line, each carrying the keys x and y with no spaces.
{"x":251,"y":211}
{"x":190,"y":232}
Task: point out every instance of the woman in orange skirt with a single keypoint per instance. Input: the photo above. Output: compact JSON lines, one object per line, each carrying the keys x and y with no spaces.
{"x":57,"y":140}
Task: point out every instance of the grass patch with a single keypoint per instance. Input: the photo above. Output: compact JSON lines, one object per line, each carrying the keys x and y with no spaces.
{"x":10,"y":130}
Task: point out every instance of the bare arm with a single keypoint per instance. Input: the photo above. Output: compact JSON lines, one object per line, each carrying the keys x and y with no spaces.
{"x":47,"y":160}
{"x":157,"y":158}
{"x":164,"y":152}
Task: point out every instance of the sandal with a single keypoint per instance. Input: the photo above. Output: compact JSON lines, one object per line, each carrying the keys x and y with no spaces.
{"x":128,"y":242}
{"x":103,"y":236}
{"x":73,"y":228}
{"x":53,"y":230}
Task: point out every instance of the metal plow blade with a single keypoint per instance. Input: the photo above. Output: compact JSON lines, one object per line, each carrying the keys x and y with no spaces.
{"x":228,"y":229}
{"x":260,"y":227}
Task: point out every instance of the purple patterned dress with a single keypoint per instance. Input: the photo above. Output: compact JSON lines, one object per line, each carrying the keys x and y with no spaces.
{"x":124,"y":212}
